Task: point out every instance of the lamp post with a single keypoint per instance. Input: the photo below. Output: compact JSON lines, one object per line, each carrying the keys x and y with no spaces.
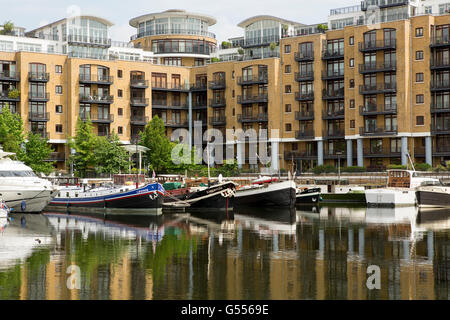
{"x":339,"y":153}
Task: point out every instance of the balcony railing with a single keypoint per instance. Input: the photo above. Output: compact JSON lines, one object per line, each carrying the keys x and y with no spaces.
{"x":375,"y":45}
{"x":252,"y":99}
{"x":304,"y":96}
{"x":377,"y":67}
{"x":217,"y":84}
{"x":332,"y":54}
{"x":199,"y":86}
{"x":304,"y":115}
{"x":298,"y":155}
{"x":43,"y":134}
{"x":304,"y":76}
{"x":305,"y":134}
{"x":139,"y":102}
{"x":335,"y":154}
{"x":378,"y":88}
{"x":336,"y":133}
{"x":175,"y":86}
{"x":163,"y":104}
{"x":333,"y":114}
{"x":261,"y":117}
{"x":176,"y":123}
{"x":217,"y":121}
{"x":39,"y":116}
{"x":138,"y":120}
{"x":97,"y":118}
{"x":377,"y":131}
{"x":332,"y":75}
{"x":441,"y":150}
{"x":381,"y":152}
{"x":9,"y":76}
{"x":333,"y":94}
{"x":373,"y":109}
{"x":304,"y":56}
{"x":439,"y":41}
{"x":222,"y":102}
{"x":139,"y":83}
{"x":439,"y":128}
{"x":92,"y":41}
{"x":38,"y":96}
{"x":254,"y":79}
{"x":93,"y":99}
{"x":57,"y":156}
{"x":173,"y":31}
{"x":96,"y":79}
{"x":38,"y":76}
{"x":442,"y":85}
{"x":258,"y":41}
{"x":440,"y":64}
{"x":4,"y":96}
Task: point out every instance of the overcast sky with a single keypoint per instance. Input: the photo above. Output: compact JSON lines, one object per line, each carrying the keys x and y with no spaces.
{"x":34,"y":13}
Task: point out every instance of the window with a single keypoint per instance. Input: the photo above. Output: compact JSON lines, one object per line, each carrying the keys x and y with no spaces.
{"x":419,"y":99}
{"x":419,"y":32}
{"x":58,"y":89}
{"x":352,"y":83}
{"x":351,"y":40}
{"x":120,"y":130}
{"x":352,"y":124}
{"x":419,"y":55}
{"x":58,"y":69}
{"x":59,"y":128}
{"x":120,"y":112}
{"x":419,"y":121}
{"x":287,"y":48}
{"x":120,"y":93}
{"x":352,"y":104}
{"x":352,"y":62}
{"x":232,"y":75}
{"x":288,"y":127}
{"x":287,"y":69}
{"x":234,"y":112}
{"x":119,"y":74}
{"x":59,"y":109}
{"x":287,"y":108}
{"x":419,"y":77}
{"x":287,"y":88}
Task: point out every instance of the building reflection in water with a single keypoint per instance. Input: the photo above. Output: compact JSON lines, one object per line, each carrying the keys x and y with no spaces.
{"x":304,"y":253}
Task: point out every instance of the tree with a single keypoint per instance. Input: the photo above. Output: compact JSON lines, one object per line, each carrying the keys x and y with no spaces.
{"x":226,"y":45}
{"x":154,"y":137}
{"x":36,"y":152}
{"x":8,"y":28}
{"x":84,"y":144}
{"x":322,"y":27}
{"x":110,"y":157}
{"x":11,"y":130}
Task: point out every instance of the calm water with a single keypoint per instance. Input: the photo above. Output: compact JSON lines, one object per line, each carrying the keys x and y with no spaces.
{"x":309,"y":253}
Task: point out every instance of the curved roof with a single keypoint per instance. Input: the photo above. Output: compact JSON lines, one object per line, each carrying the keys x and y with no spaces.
{"x":172,"y":13}
{"x":104,"y":21}
{"x":251,"y":20}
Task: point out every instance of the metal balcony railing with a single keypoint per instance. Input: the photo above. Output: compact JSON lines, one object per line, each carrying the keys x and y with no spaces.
{"x":374,"y":45}
{"x":374,"y":109}
{"x":96,"y":41}
{"x":382,"y":152}
{"x":304,"y":96}
{"x":377,"y":67}
{"x":98,"y":118}
{"x":94,"y":99}
{"x":378,"y":88}
{"x":333,"y":94}
{"x":39,"y":116}
{"x":96,"y":79}
{"x":377,"y":131}
{"x":138,"y":83}
{"x":304,"y":76}
{"x":9,"y":76}
{"x":38,"y":76}
{"x":222,"y":102}
{"x":261,"y":117}
{"x":252,"y":99}
{"x":253,"y":79}
{"x":139,"y":101}
{"x":38,"y":96}
{"x":304,"y":56}
{"x":304,"y":115}
{"x":333,"y":114}
{"x":307,"y":133}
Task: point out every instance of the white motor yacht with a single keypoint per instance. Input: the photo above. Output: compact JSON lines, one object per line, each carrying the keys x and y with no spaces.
{"x":21,"y":188}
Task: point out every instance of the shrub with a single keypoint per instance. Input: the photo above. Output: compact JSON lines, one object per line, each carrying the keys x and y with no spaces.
{"x":422,"y":167}
{"x":324,"y":169}
{"x":440,"y":168}
{"x":241,"y":51}
{"x":396,"y":166}
{"x":354,"y":169}
{"x":14,"y":94}
{"x":214,"y":59}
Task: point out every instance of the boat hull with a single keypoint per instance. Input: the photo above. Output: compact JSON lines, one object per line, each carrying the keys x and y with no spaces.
{"x":279,"y":194}
{"x":390,"y":197}
{"x":433,"y":198}
{"x":310,"y":196}
{"x":28,"y":201}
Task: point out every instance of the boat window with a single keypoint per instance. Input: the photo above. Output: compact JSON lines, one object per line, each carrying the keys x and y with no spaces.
{"x":22,"y":174}
{"x":76,"y":195}
{"x":67,"y":194}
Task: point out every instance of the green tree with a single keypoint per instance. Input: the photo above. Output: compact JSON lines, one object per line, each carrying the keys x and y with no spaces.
{"x":8,"y":28}
{"x":322,"y":27}
{"x":160,"y":148}
{"x":36,"y":152}
{"x":110,"y":157}
{"x":84,"y":144}
{"x":11,"y":130}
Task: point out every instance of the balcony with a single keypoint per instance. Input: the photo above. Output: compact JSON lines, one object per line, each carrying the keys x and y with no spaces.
{"x":336,"y":154}
{"x":217,"y":84}
{"x":304,"y":96}
{"x":199,"y":105}
{"x":333,"y":75}
{"x":260,"y":98}
{"x":441,"y":151}
{"x":331,"y":94}
{"x":439,"y":129}
{"x":304,"y":115}
{"x":89,"y":41}
{"x":419,"y":151}
{"x":440,"y":42}
{"x":139,"y":102}
{"x":384,"y":4}
{"x":176,"y":124}
{"x":333,"y":114}
{"x":304,"y":76}
{"x":300,"y":155}
{"x":217,"y":103}
{"x":217,"y":121}
{"x":176,"y":31}
{"x":254,"y":79}
{"x":437,"y":86}
{"x":138,"y":120}
{"x":373,"y":109}
{"x":137,"y":83}
{"x":175,"y":87}
{"x":333,"y":54}
{"x":97,"y":118}
{"x":57,"y":156}
{"x":374,"y":67}
{"x":261,"y":117}
{"x":440,"y":64}
{"x":4,"y":96}
{"x":38,"y":76}
{"x":43,"y":134}
{"x":96,"y":79}
{"x":106,"y":99}
{"x":162,"y":104}
{"x":378,"y":88}
{"x":260,"y":41}
{"x":10,"y":76}
{"x":305,"y":134}
{"x":38,"y":96}
{"x":304,"y":56}
{"x":199,"y":86}
{"x":39,"y":116}
{"x":376,"y":131}
{"x":376,"y":45}
{"x":381,"y":152}
{"x":336,"y":133}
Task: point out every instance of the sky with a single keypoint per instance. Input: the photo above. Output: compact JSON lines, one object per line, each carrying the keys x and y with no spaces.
{"x":31,"y":14}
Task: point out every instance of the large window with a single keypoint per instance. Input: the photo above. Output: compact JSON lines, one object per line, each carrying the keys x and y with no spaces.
{"x":183,"y":46}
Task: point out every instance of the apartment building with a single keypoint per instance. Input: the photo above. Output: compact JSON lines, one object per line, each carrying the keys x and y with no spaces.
{"x":370,"y":91}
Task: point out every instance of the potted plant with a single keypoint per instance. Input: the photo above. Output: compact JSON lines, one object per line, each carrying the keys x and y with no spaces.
{"x":272,"y":47}
{"x":14,"y":94}
{"x":284,"y":29}
{"x":322,"y":28}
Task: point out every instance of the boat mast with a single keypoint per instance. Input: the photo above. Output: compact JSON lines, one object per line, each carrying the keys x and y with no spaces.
{"x":412,"y":165}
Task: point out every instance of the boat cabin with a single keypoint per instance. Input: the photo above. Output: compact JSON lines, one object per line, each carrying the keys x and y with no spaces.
{"x":408,"y":179}
{"x":128,"y":179}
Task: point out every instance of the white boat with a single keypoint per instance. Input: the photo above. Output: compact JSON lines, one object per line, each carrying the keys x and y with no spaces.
{"x":4,"y":210}
{"x":400,"y":191}
{"x":433,"y":195}
{"x":20,"y":188}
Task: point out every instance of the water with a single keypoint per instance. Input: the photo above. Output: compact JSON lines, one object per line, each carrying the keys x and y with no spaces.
{"x":308,"y":253}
